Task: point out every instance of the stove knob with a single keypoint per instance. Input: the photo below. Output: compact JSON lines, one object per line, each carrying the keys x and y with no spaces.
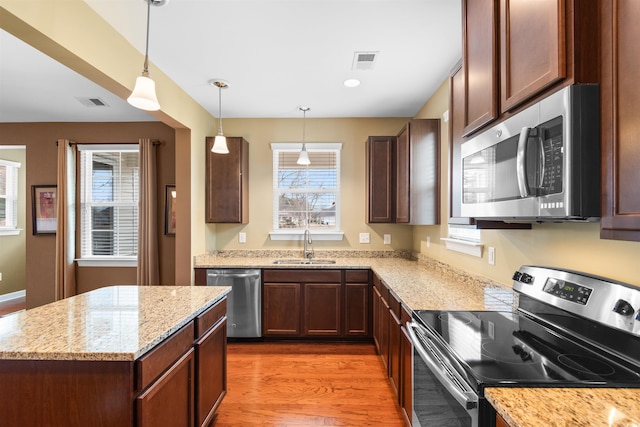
{"x":526,"y":278}
{"x":516,"y":276}
{"x":623,"y":307}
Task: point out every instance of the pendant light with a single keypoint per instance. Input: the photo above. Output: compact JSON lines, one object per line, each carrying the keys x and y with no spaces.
{"x":220,"y":141}
{"x":303,"y":159}
{"x":144,"y":93}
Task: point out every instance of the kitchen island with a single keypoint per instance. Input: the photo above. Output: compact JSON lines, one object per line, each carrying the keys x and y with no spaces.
{"x":116,"y":356}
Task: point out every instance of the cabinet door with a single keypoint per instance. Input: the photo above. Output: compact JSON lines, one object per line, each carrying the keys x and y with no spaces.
{"x":322,"y":309}
{"x":281,"y":309}
{"x":403,"y":171}
{"x":357,"y":312}
{"x":406,"y":373}
{"x":394,"y":354}
{"x":377,"y":319}
{"x":227,"y":178}
{"x":169,"y":401}
{"x":381,"y":179}
{"x":211,"y":372}
{"x":620,"y":109}
{"x":532,"y":48}
{"x":479,"y":62}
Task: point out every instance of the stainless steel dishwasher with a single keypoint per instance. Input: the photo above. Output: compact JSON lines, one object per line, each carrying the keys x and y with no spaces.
{"x":244,"y":302}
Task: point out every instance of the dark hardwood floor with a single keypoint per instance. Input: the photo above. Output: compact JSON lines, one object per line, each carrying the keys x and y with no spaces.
{"x":300,"y":384}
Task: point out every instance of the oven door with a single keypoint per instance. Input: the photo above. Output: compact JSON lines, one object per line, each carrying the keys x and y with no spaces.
{"x":441,"y":396}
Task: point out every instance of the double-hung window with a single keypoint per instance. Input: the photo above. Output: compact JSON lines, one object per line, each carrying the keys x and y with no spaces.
{"x":306,"y":196}
{"x":8,"y":197}
{"x":109,"y":189}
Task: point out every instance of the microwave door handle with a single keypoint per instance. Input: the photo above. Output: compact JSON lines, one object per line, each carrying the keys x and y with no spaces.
{"x":543,"y":164}
{"x":521,"y":162}
{"x":467,"y":399}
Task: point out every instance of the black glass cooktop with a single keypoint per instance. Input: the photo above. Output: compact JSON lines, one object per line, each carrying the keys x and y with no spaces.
{"x":510,"y":348}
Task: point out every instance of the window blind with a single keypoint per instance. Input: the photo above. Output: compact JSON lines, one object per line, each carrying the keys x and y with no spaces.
{"x":9,"y":194}
{"x":109,"y":190}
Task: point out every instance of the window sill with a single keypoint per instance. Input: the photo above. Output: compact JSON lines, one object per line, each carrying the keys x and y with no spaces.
{"x":10,"y":232}
{"x":463,"y":246}
{"x":299,"y":235}
{"x":107,"y":262}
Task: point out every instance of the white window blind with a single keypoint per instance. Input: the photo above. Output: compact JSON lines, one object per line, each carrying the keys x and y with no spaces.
{"x":109,"y":189}
{"x":306,"y":196}
{"x":8,"y":194}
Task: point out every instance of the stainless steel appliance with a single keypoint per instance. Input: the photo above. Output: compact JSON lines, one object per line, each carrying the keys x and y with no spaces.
{"x":244,"y":302}
{"x":541,"y":164}
{"x":570,"y":329}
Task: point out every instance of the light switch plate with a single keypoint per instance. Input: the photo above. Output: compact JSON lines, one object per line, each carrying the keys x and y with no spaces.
{"x":387,"y":239}
{"x":365,"y":238}
{"x":242,"y":237}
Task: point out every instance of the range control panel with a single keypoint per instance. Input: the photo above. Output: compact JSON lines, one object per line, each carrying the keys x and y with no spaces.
{"x":567,"y":290}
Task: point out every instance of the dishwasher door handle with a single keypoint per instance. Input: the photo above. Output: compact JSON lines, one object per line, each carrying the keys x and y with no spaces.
{"x":234,"y":275}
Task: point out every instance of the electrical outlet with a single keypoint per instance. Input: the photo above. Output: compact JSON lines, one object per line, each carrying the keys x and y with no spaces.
{"x":365,"y":238}
{"x":492,"y":255}
{"x":242,"y":237}
{"x":428,"y":241}
{"x":387,"y":239}
{"x":0,"y":277}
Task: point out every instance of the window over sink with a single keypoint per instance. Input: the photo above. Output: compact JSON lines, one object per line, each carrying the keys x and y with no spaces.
{"x":306,"y":196}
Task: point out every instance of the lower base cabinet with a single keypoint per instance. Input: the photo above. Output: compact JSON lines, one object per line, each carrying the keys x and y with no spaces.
{"x":316,"y":304}
{"x":179,"y":383}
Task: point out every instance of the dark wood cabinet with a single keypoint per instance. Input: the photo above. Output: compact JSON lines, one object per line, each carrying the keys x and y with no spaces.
{"x":516,"y":51}
{"x":357,"y":305}
{"x":211,"y":363}
{"x":620,"y":109}
{"x":403,"y":175}
{"x":381,"y":318}
{"x":227,"y":183}
{"x":406,"y":368}
{"x":170,"y":399}
{"x":500,"y":422}
{"x":480,"y":63}
{"x":281,"y":309}
{"x":316,"y":303}
{"x":395,"y":334}
{"x":381,"y":179}
{"x":532,"y":48}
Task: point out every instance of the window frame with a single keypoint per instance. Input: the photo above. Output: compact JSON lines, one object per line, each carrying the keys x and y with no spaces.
{"x":11,"y":197}
{"x":297,"y":233}
{"x":101,"y":260}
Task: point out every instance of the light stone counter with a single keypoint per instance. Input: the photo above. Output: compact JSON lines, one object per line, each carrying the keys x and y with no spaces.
{"x":564,"y":407}
{"x":420,"y":285}
{"x":111,"y":323}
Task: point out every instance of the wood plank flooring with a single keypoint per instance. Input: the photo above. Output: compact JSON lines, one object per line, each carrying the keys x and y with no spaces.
{"x":307,"y":384}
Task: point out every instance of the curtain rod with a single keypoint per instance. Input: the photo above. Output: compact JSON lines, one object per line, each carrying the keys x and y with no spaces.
{"x":156,"y":142}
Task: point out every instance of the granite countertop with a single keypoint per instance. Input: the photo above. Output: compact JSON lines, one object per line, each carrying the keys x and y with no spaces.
{"x":418,"y":284}
{"x":575,"y":407}
{"x":111,"y":323}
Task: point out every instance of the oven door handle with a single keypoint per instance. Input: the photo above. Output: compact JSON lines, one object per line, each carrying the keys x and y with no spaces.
{"x":467,"y":398}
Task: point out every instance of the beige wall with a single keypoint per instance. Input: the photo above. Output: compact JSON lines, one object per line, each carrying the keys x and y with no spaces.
{"x":568,"y":245}
{"x":352,"y":133}
{"x":40,"y":142}
{"x":13,"y":260}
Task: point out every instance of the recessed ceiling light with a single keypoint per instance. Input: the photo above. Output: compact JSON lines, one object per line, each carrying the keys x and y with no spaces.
{"x":352,"y":83}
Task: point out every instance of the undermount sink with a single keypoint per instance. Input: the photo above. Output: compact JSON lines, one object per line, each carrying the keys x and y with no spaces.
{"x":304,"y":261}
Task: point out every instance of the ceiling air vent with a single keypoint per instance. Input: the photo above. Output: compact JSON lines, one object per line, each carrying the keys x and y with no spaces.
{"x":364,"y":60}
{"x":92,"y":102}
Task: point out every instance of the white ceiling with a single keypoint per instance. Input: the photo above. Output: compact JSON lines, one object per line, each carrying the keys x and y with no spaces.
{"x":276,"y":54}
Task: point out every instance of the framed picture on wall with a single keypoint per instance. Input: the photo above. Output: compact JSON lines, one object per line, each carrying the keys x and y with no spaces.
{"x":44,"y":202}
{"x":170,"y":210}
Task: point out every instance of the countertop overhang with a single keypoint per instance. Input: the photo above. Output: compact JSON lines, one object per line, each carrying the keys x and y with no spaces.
{"x":111,"y":323}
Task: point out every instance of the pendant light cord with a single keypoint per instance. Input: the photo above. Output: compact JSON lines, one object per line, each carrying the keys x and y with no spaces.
{"x":220,"y":109}
{"x":145,"y":70}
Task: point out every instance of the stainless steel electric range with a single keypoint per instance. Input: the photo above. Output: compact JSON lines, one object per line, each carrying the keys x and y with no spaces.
{"x":570,"y":329}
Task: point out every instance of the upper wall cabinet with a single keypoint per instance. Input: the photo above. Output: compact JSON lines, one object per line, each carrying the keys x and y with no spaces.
{"x":620,"y":110}
{"x":525,"y":48}
{"x":403,"y":175}
{"x":227,"y":183}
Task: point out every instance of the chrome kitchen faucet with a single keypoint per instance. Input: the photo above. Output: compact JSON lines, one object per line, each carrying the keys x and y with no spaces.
{"x":308,"y":244}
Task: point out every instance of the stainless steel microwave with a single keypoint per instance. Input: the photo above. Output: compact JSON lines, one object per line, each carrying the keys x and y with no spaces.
{"x":541,"y":164}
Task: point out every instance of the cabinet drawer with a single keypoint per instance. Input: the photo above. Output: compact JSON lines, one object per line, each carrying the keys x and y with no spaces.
{"x":301,"y":276}
{"x":152,"y":364}
{"x":394,"y":305}
{"x":210,"y":317}
{"x":384,"y":291}
{"x":356,"y":276}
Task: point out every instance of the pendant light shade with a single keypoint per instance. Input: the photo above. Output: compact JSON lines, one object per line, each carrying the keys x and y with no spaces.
{"x":303,"y":159}
{"x":220,"y":141}
{"x":144,"y":93}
